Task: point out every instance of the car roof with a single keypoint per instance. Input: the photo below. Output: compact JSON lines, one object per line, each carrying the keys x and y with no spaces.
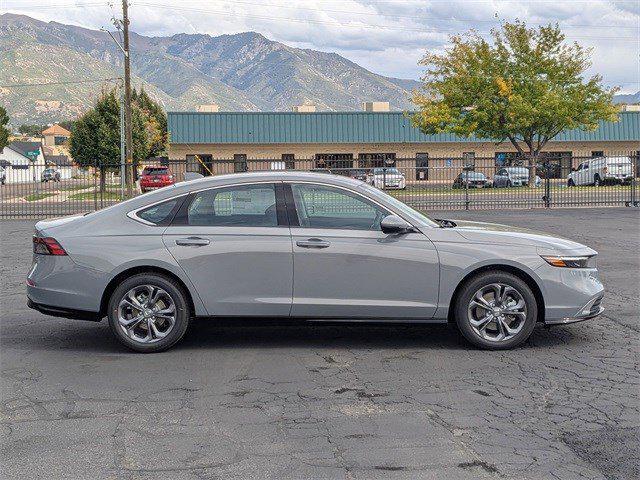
{"x":273,"y":175}
{"x":188,"y":186}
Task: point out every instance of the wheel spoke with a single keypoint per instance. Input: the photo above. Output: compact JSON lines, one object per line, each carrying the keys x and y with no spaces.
{"x":131,"y":323}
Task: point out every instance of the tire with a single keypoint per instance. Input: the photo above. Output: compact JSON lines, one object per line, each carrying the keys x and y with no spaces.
{"x":596,"y":180}
{"x":168,"y":292}
{"x":522,"y":324}
{"x":571,"y":183}
{"x":509,"y":184}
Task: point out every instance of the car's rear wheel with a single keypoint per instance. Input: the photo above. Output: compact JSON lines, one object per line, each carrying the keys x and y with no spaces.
{"x":148,"y":312}
{"x":596,"y":180}
{"x":496,"y":310}
{"x":571,"y":183}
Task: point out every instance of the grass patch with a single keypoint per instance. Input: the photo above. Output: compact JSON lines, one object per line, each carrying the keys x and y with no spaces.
{"x":34,"y":197}
{"x":91,"y":195}
{"x":72,"y":188}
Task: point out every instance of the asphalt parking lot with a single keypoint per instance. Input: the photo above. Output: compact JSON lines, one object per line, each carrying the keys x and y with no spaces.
{"x":329,"y":402}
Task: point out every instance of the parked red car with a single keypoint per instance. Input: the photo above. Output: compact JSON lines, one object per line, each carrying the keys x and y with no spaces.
{"x":153,"y":178}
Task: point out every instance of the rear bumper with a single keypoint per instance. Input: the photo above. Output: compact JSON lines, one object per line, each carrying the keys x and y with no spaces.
{"x":64,"y":312}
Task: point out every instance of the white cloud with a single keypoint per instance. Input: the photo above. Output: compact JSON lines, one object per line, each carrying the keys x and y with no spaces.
{"x":386,"y":36}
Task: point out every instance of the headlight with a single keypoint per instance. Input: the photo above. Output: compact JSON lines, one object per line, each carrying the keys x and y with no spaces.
{"x":570,"y":262}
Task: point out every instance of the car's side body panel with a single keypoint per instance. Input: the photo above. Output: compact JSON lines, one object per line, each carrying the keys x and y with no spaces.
{"x":241,"y":271}
{"x":364,"y":274}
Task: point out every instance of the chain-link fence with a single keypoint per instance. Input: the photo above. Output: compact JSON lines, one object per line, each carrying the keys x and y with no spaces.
{"x":35,"y":191}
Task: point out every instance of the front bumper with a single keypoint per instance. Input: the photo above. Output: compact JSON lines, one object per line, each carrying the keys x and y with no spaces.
{"x":592,"y":309}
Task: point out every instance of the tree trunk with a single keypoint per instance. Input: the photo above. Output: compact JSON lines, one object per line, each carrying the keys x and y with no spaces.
{"x":532,"y":163}
{"x":103,"y":179}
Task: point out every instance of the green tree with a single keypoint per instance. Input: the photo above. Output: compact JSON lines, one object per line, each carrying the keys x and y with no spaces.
{"x":526,"y":86}
{"x":95,"y":136}
{"x":31,"y":130}
{"x":155,"y":120}
{"x":4,"y":131}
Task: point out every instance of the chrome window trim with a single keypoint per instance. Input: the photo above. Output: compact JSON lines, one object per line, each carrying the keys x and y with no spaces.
{"x":132,"y":214}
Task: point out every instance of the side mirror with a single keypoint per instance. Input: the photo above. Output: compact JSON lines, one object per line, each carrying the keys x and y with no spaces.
{"x":394,"y":224}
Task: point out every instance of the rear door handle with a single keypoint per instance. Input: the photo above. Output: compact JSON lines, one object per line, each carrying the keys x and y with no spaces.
{"x":192,"y":242}
{"x":313,"y":243}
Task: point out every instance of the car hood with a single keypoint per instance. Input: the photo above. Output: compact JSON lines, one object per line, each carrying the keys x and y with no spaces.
{"x":507,"y":235}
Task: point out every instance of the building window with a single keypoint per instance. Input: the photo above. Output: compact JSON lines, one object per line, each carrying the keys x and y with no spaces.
{"x":200,"y":163}
{"x":376,"y":160}
{"x":557,"y":163}
{"x":508,"y":159}
{"x":239,"y":163}
{"x":597,"y":153}
{"x":338,"y":162}
{"x":422,"y":166}
{"x":289,"y":160}
{"x":469,"y":159}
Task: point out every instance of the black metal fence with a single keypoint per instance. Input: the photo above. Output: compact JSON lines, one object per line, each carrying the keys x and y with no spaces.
{"x":423,"y":183}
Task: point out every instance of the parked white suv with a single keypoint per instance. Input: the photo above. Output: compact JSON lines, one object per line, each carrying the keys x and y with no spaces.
{"x":599,"y":170}
{"x":389,"y":177}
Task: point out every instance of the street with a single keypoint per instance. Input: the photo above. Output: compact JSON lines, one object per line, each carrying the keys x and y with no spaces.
{"x":271,"y":400}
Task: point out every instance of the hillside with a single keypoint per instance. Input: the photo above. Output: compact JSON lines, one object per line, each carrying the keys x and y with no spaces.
{"x":245,"y":71}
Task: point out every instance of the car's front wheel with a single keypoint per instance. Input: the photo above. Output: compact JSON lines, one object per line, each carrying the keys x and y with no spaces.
{"x":496,"y":310}
{"x":148,"y":312}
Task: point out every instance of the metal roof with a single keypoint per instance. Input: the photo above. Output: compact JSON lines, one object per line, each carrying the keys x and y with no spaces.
{"x":345,"y":127}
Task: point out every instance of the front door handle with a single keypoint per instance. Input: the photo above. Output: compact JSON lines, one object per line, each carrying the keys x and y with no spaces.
{"x":313,"y":243}
{"x":192,"y":242}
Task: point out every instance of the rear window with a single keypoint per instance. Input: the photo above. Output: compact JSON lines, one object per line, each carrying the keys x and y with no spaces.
{"x":155,"y":171}
{"x":161,"y":213}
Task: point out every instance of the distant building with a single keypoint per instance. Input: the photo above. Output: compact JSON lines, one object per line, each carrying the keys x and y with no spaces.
{"x":55,"y":135}
{"x":226,"y":142}
{"x":212,"y":107}
{"x":22,"y":161}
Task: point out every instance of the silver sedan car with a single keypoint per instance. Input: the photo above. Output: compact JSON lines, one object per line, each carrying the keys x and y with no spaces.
{"x":309,"y":246}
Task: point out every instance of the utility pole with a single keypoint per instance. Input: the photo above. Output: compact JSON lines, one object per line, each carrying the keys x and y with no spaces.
{"x":127,"y":100}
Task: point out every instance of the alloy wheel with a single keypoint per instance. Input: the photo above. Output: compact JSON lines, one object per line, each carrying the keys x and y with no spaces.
{"x":497,"y":312}
{"x":146,"y":313}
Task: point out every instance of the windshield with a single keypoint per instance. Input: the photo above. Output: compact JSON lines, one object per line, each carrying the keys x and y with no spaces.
{"x":419,"y":218}
{"x":380,"y":171}
{"x":477,"y":175}
{"x":518,"y":170}
{"x":155,"y":171}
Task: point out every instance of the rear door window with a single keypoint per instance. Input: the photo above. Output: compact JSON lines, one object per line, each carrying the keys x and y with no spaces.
{"x":162,"y":213}
{"x":237,"y":206}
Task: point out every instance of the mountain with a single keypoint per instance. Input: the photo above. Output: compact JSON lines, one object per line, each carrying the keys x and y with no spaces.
{"x":631,"y":98}
{"x":239,"y":72}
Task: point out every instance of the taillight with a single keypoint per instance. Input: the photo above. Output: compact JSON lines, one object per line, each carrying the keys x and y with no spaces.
{"x":47,"y":246}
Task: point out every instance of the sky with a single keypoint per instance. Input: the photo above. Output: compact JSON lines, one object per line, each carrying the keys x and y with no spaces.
{"x":385,"y":36}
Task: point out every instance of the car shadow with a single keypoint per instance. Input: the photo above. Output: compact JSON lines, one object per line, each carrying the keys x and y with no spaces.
{"x":80,"y":337}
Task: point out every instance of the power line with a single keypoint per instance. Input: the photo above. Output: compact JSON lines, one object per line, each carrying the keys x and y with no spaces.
{"x":397,"y":16}
{"x":335,"y":24}
{"x":69,"y":82}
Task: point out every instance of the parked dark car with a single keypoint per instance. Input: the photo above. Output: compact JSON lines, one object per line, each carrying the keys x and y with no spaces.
{"x":50,"y":175}
{"x":153,"y":178}
{"x":471,"y":180}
